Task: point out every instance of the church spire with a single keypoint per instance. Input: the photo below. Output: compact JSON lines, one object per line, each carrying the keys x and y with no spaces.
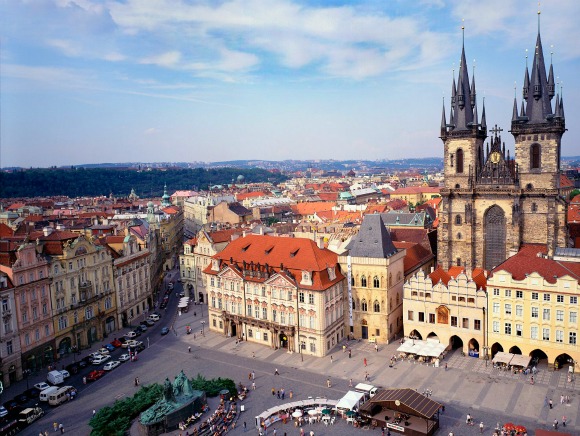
{"x":443,"y":120}
{"x":483,"y":119}
{"x":463,"y":110}
{"x":515,"y":111}
{"x":473,"y":89}
{"x":551,"y":86}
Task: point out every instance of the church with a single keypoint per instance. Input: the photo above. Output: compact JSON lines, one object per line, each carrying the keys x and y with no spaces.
{"x":492,"y":202}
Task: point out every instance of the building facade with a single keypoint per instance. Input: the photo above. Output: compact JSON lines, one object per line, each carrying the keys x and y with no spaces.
{"x":10,"y":362}
{"x":374,"y":303}
{"x":277,"y":291}
{"x":494,"y":203}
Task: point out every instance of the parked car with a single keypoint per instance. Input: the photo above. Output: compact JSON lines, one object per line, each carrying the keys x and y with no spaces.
{"x":131,"y":343}
{"x":73,"y":368}
{"x":149,"y":322}
{"x":130,"y":335}
{"x":163,"y":305}
{"x":11,"y":404}
{"x":32,"y":393}
{"x":138,"y":330}
{"x":116,"y":343}
{"x":103,"y":351}
{"x":164,"y":330}
{"x":65,"y":373}
{"x":143,"y":327}
{"x":21,"y":399}
{"x":95,"y":375}
{"x":102,"y":359}
{"x":111,"y":365}
{"x":3,"y":411}
{"x":93,"y":355}
{"x":140,"y":347}
{"x":41,"y":386}
{"x":124,"y":357}
{"x":83,"y":363}
{"x":109,"y":347}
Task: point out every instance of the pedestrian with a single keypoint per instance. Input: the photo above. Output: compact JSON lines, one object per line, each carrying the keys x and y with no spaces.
{"x":311,"y":432}
{"x":561,"y":399}
{"x":274,"y":432}
{"x":532,"y":382}
{"x":551,"y":403}
{"x":377,"y":348}
{"x":253,"y":386}
{"x":481,"y":427}
{"x":555,"y":424}
{"x":136,"y":382}
{"x":443,"y":409}
{"x":253,"y":375}
{"x":253,"y":354}
{"x":564,"y":421}
{"x":61,"y":427}
{"x":55,"y":426}
{"x":189,"y":349}
{"x":273,"y":391}
{"x":245,"y":426}
{"x":366,"y":376}
{"x":349,"y":354}
{"x":276,"y":372}
{"x":350,"y":383}
{"x":328,"y":383}
{"x":291,"y":394}
{"x":567,"y":399}
{"x":365,"y":361}
{"x":282,"y":393}
{"x":94,"y":412}
{"x":445,"y":366}
{"x":84,"y":380}
{"x":250,"y":376}
{"x":278,"y":393}
{"x":331,"y":359}
{"x":344,"y":348}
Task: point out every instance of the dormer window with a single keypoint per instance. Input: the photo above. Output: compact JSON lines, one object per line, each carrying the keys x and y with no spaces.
{"x":306,"y":278}
{"x":331,"y":273}
{"x":215,"y":265}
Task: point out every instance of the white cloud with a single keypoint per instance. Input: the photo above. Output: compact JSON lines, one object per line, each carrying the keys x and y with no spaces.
{"x":58,"y":77}
{"x":151,"y":131}
{"x":168,"y":59}
{"x":69,"y":48}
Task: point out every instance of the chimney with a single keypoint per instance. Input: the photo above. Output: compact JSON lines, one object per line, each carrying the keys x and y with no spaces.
{"x":321,"y":243}
{"x":432,"y":268}
{"x":60,"y":226}
{"x":47,"y":231}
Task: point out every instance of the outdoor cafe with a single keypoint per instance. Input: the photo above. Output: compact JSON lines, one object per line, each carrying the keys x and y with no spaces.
{"x":301,"y":412}
{"x":403,"y":411}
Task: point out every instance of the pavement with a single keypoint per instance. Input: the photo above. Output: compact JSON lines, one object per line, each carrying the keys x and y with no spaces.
{"x":467,"y":386}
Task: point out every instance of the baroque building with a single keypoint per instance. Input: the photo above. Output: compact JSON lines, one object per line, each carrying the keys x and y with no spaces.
{"x":494,"y":203}
{"x":281,"y":292}
{"x":375,"y":277}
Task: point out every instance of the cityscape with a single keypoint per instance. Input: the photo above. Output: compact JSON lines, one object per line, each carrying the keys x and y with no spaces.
{"x":309,"y":279}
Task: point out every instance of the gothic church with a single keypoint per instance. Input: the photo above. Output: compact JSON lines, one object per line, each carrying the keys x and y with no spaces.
{"x":494,"y":203}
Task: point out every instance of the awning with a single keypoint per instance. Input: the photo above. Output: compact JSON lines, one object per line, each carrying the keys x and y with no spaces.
{"x":520,"y":360}
{"x":422,"y":348}
{"x":501,"y":357}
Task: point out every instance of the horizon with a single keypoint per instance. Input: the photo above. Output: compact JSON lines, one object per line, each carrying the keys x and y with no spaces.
{"x":85,"y":82}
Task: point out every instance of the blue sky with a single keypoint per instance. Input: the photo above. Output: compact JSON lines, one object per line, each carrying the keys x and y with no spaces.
{"x":86,"y":81}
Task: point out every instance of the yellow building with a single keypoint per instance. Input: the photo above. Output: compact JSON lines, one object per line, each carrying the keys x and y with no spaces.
{"x":449,"y":306}
{"x":415,"y":194}
{"x":533,"y":305}
{"x":375,"y":271}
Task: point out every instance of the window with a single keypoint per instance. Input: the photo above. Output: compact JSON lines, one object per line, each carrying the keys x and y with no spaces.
{"x":264,"y":313}
{"x":9,"y":348}
{"x":535,"y":312}
{"x":249,"y":310}
{"x":62,"y":323}
{"x":263,"y":290}
{"x":508,"y":309}
{"x":508,"y":328}
{"x":559,"y":336}
{"x":311,"y":322}
{"x":265,"y":336}
{"x":312,"y":347}
{"x":376,"y":306}
{"x":534,"y":332}
{"x":535,"y":296}
{"x":519,"y":294}
{"x":535,"y":156}
{"x":274,"y":315}
{"x":310,"y":298}
{"x":573,"y":300}
{"x":250,"y":333}
{"x":518,"y":330}
{"x":573,"y":317}
{"x":572,"y":338}
{"x":458,"y":220}
{"x":432,"y":318}
{"x":363,"y":305}
{"x":5,"y":305}
{"x":546,"y":314}
{"x":301,"y":297}
{"x":496,"y":292}
{"x":477,"y":324}
{"x":453,"y":321}
{"x":363,"y":281}
{"x":410,"y":315}
{"x":213,"y":302}
{"x":546,"y":334}
{"x":559,"y":298}
{"x":546,"y":297}
{"x":256,"y":312}
{"x":376,"y":282}
{"x":534,"y":207}
{"x":421,"y":316}
{"x":289,"y":295}
{"x":496,"y":327}
{"x":495,"y":307}
{"x":559,"y":315}
{"x":459,"y":165}
{"x":508,"y":292}
{"x":89,"y":312}
{"x":519,"y":310}
{"x":465,"y":323}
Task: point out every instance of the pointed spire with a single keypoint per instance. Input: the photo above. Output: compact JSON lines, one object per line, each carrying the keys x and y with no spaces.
{"x":443,"y":121}
{"x":557,"y":107}
{"x":463,"y":111}
{"x":453,"y":90}
{"x":515,"y":111}
{"x":475,"y":115}
{"x":551,"y":86}
{"x":473,"y":89}
{"x":483,"y":119}
{"x":562,"y":104}
{"x":523,"y":110}
{"x":526,"y":81}
{"x":538,"y":107}
{"x":451,"y":118}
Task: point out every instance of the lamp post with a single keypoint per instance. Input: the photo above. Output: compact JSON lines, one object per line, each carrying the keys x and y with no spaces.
{"x":202,"y":328}
{"x":26,"y":373}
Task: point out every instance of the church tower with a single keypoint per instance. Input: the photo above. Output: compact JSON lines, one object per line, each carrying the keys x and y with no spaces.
{"x":537,"y":131}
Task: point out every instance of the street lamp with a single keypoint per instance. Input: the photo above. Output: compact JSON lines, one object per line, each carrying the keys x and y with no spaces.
{"x":202,"y":327}
{"x":26,"y":373}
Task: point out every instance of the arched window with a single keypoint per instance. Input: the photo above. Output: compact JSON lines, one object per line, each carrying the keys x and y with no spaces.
{"x":459,"y":165}
{"x":352,"y":281}
{"x":376,"y":306}
{"x":534,"y":207}
{"x":397,"y":299}
{"x":363,"y":281}
{"x":535,"y":159}
{"x":459,"y":235}
{"x":363,"y":305}
{"x":458,"y":220}
{"x":376,"y":282}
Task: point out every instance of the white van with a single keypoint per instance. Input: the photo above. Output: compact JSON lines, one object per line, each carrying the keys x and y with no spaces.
{"x":131,"y":335}
{"x":55,"y":377}
{"x":45,"y":393}
{"x":154,"y":317}
{"x":370,"y":390}
{"x":60,"y":396}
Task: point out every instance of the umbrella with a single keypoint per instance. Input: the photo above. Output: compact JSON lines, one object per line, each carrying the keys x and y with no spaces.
{"x":224,"y":392}
{"x":313,"y":412}
{"x":297,"y":414}
{"x":326,"y":411}
{"x":350,"y":413}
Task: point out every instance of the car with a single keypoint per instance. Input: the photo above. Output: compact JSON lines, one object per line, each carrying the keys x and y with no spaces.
{"x":102,"y":359}
{"x":124,"y":357}
{"x":103,"y":351}
{"x":93,"y":356}
{"x":116,"y":343}
{"x":181,"y":294}
{"x":32,"y":393}
{"x":21,"y":399}
{"x":149,"y":322}
{"x":138,"y":330}
{"x":65,"y":373}
{"x":140,"y":347}
{"x":3,"y":411}
{"x":11,"y":405}
{"x":163,"y":304}
{"x":130,"y":335}
{"x":131,"y":343}
{"x":143,"y":327}
{"x":164,"y":331}
{"x":73,"y":368}
{"x":83,"y":363}
{"x":109,"y":347}
{"x":41,"y":386}
{"x":111,"y":365}
{"x":95,"y":375}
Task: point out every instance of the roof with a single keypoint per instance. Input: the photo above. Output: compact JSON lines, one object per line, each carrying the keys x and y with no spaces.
{"x":5,"y":231}
{"x":415,"y":255}
{"x":477,"y":275}
{"x":238,"y":209}
{"x":310,"y":208}
{"x":220,"y":236}
{"x":530,"y":259}
{"x":372,"y":240}
{"x":565,"y":182}
{"x":418,"y":219}
{"x":416,"y":190}
{"x":410,"y":399}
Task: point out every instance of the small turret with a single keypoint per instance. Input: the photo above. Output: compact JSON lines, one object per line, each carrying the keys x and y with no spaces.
{"x":453,"y":90}
{"x":551,"y":86}
{"x":557,"y":107}
{"x":515,"y":111}
{"x":443,"y":120}
{"x":526,"y":81}
{"x":472,"y":97}
{"x":562,"y":106}
{"x":523,"y":110}
{"x":483,"y":119}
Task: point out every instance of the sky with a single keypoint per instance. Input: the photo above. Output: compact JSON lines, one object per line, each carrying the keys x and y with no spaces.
{"x":87,"y":81}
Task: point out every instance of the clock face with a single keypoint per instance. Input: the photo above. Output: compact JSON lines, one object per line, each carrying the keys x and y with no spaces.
{"x":494,"y":157}
{"x":397,"y":403}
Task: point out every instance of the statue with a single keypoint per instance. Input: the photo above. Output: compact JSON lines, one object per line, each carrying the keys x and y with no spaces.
{"x":168,"y":394}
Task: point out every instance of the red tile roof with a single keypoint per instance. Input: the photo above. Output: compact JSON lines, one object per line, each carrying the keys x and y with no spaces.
{"x":565,"y":182}
{"x":243,"y":195}
{"x":5,"y":231}
{"x":531,"y":259}
{"x":220,"y":236}
{"x":416,"y":190}
{"x":309,"y":208}
{"x":477,"y":275}
{"x":415,"y":255}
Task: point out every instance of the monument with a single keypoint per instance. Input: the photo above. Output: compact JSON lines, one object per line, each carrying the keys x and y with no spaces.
{"x":179,"y":401}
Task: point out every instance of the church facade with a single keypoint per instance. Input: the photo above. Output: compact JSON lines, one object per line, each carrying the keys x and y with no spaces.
{"x":492,"y":202}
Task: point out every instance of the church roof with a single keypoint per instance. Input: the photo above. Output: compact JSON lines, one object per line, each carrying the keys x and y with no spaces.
{"x":372,"y":240}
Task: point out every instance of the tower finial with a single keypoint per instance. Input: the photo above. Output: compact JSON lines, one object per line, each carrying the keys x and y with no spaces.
{"x":539,"y":13}
{"x":463,"y":32}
